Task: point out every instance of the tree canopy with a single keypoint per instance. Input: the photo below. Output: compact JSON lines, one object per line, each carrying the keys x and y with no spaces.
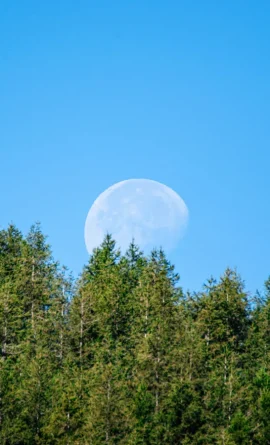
{"x":123,"y":355}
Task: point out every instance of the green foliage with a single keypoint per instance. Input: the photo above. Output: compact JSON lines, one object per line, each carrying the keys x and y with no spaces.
{"x":125,"y":357}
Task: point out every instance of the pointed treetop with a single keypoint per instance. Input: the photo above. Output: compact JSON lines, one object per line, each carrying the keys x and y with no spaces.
{"x":104,"y":256}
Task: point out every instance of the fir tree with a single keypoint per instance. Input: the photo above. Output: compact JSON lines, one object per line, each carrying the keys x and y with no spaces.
{"x":223,"y":322}
{"x":127,"y":357}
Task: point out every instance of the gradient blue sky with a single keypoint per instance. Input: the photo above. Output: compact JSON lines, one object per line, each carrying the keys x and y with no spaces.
{"x":95,"y":92}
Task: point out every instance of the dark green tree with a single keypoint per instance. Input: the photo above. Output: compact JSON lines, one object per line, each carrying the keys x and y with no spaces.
{"x":125,"y":356}
{"x":223,"y":322}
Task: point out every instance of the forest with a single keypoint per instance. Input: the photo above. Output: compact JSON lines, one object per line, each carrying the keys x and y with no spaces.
{"x":123,"y":356}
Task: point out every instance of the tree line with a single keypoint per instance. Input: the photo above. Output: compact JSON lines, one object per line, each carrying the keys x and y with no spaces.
{"x":123,"y":355}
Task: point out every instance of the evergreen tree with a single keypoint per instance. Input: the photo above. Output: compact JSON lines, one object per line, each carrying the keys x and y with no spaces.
{"x":223,"y":322}
{"x":32,"y":286}
{"x":127,"y":358}
{"x":100,"y":320}
{"x":258,"y":368}
{"x":185,"y":407}
{"x":155,"y":333}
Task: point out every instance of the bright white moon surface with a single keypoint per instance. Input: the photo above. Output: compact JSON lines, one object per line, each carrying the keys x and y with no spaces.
{"x":147,"y":211}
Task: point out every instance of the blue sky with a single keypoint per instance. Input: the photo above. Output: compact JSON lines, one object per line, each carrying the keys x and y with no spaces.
{"x":95,"y":92}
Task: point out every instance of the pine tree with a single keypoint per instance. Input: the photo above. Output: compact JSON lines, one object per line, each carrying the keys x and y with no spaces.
{"x":11,"y":324}
{"x":185,"y":408}
{"x":127,"y":358}
{"x":99,"y":327}
{"x":258,"y":367}
{"x":155,"y":333}
{"x":32,"y":289}
{"x":223,"y":322}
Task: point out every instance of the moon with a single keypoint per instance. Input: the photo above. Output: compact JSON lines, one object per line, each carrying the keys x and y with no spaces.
{"x":147,"y":211}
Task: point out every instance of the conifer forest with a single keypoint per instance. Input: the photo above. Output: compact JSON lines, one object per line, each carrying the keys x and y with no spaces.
{"x":123,"y":356}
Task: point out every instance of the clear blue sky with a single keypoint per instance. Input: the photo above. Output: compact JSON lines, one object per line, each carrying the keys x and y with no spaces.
{"x":94,"y":92}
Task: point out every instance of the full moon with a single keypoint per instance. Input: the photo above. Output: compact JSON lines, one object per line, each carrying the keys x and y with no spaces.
{"x":147,"y":211}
